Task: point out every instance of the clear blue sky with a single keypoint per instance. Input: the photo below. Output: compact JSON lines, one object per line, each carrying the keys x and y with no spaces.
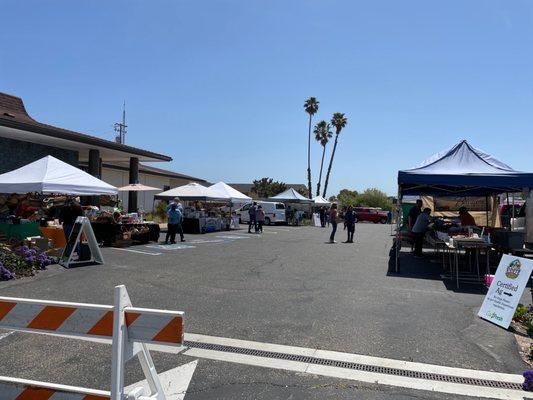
{"x":219,"y":85}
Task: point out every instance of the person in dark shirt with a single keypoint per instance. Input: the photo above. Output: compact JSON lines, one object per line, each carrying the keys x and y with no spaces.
{"x":414,"y":212}
{"x":68,"y":214}
{"x":322,"y":213}
{"x":349,"y":223}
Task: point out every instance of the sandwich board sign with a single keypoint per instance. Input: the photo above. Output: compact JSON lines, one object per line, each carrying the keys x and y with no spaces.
{"x":505,"y":290}
{"x":82,"y":225}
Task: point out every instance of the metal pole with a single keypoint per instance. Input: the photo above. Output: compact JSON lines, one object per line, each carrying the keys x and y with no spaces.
{"x":487,"y":209}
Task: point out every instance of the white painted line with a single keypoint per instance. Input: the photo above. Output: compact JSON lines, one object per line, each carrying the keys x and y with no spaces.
{"x":233,"y":237}
{"x":175,"y":381}
{"x":168,"y":247}
{"x":136,"y":251}
{"x":357,"y":358}
{"x":345,"y":373}
{"x":275,"y":233}
{"x":6,"y":334}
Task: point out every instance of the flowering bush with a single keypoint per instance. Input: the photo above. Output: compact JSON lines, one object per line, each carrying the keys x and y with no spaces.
{"x":5,"y":274}
{"x":21,"y":261}
{"x":528,"y":381}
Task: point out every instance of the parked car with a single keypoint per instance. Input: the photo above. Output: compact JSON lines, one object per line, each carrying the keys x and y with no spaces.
{"x":274,"y":212}
{"x":374,"y":215}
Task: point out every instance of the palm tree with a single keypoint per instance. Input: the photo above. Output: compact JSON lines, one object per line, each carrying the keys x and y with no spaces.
{"x":311,"y":108}
{"x":322,"y":135}
{"x":339,"y":121}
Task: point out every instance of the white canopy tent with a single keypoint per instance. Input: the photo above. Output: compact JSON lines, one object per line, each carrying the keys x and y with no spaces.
{"x":226,"y":190}
{"x":138,"y":187}
{"x":193,"y":192}
{"x":50,"y":175}
{"x":320,"y":201}
{"x":291,"y":196}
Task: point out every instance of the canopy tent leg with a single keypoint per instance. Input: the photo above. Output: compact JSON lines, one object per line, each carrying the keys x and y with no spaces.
{"x":487,"y":209}
{"x":398,"y":238}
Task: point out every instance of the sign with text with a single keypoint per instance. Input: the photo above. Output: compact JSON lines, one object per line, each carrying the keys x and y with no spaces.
{"x":505,"y":290}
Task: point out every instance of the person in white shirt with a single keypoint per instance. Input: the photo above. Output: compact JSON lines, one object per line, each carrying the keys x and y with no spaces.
{"x":419,"y":230}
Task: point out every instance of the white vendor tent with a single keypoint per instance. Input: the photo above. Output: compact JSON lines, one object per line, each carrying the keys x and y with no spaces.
{"x":193,"y":192}
{"x":291,"y":196}
{"x":50,"y":175}
{"x":320,"y":201}
{"x":138,"y":187}
{"x":226,"y":190}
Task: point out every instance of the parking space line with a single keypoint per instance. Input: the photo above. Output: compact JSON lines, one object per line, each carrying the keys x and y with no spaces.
{"x":136,"y":251}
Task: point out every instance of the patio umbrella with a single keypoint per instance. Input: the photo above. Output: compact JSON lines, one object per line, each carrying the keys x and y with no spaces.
{"x":137,"y":187}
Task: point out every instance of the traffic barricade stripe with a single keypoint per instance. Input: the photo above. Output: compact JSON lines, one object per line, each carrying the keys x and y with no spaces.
{"x":5,"y":307}
{"x":51,"y":318}
{"x":33,"y":393}
{"x":104,"y":327}
{"x":143,"y":325}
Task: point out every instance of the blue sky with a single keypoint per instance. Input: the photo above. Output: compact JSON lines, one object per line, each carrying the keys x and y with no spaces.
{"x":219,"y":85}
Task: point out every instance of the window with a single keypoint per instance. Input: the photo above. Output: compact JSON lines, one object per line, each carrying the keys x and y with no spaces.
{"x":280,"y":206}
{"x":246,"y":207}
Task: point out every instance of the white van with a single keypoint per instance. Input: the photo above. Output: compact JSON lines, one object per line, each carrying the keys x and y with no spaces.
{"x":274,"y":212}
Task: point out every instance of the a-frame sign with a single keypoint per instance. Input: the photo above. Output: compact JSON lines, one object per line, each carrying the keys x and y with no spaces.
{"x":82,"y":225}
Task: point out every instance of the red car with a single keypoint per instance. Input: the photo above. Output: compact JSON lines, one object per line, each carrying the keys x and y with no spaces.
{"x":374,"y":215}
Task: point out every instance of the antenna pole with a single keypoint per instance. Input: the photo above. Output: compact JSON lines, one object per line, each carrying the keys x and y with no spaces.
{"x":120,"y":128}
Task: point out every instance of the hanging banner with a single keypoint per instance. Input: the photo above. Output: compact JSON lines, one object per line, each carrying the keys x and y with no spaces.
{"x":505,"y":290}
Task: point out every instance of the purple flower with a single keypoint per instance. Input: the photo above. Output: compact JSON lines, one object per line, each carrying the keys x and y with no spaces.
{"x":5,"y":274}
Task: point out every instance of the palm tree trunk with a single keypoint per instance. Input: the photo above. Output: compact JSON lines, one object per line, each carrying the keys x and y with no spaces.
{"x":310,"y":189}
{"x":320,"y":176}
{"x":330,"y":164}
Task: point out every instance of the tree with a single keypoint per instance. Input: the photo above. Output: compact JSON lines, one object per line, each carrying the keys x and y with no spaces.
{"x":322,"y":133}
{"x":348,"y":197}
{"x":375,"y":198}
{"x":311,"y":108}
{"x":339,"y":121}
{"x":302,"y":191}
{"x":267,"y":187}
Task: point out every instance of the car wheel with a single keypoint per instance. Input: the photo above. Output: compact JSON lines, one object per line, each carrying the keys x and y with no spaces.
{"x":267,"y":221}
{"x":383,"y":220}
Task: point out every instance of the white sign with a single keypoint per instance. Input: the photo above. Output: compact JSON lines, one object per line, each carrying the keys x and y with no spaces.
{"x":316,"y":219}
{"x":505,"y":290}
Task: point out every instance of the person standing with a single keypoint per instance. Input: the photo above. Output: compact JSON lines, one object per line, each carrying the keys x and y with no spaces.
{"x":419,"y":231}
{"x":174,"y":222}
{"x":260,"y":216}
{"x":349,"y":222}
{"x":68,"y":214}
{"x":333,"y":222}
{"x":253,"y":221}
{"x":414,"y":212}
{"x":322,"y":214}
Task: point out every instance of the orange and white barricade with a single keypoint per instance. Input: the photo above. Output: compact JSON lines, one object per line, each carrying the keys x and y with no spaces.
{"x":129,"y":328}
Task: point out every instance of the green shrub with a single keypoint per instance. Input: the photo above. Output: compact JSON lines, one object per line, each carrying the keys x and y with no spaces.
{"x":520,"y":312}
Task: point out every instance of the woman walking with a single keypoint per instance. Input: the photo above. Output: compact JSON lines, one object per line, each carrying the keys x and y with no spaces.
{"x":333,"y":221}
{"x":260,"y":216}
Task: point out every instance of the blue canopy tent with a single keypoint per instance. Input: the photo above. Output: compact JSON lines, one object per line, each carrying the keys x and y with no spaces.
{"x":460,"y":171}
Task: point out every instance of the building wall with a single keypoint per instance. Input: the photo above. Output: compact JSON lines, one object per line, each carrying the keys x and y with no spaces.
{"x":15,"y":154}
{"x":145,"y":200}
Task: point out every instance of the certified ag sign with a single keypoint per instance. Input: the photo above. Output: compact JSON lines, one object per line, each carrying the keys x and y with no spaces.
{"x":513,"y":269}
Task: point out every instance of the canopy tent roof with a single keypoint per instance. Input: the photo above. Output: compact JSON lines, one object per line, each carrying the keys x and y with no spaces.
{"x":462,"y":171}
{"x":193,"y":192}
{"x":319,"y":200}
{"x":291,"y":196}
{"x":50,"y":175}
{"x":138,"y":187}
{"x":226,"y":190}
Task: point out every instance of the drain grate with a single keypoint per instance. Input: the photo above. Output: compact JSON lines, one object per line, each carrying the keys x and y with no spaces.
{"x":356,"y":366}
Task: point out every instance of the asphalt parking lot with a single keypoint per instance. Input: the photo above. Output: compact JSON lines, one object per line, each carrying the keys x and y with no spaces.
{"x":287,"y":287}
